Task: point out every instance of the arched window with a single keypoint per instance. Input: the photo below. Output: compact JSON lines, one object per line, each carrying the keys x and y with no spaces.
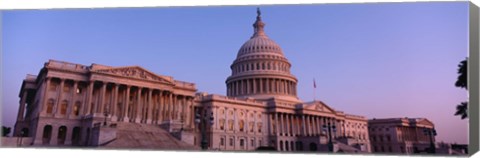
{"x":63,"y":107}
{"x":287,"y":146}
{"x":258,"y":66}
{"x":268,"y":67}
{"x":62,"y":133}
{"x":50,"y":106}
{"x":230,"y":125}
{"x":281,"y":145}
{"x":263,"y":66}
{"x":47,"y":134}
{"x":250,"y":126}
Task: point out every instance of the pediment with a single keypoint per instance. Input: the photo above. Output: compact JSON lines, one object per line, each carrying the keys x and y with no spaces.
{"x":319,"y":106}
{"x":425,"y":122}
{"x":135,"y":72}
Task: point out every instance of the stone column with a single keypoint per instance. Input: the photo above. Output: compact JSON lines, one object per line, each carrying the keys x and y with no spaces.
{"x":73,"y":100}
{"x":44,"y":99}
{"x":170,"y":107}
{"x":115,"y":102}
{"x":277,"y":124}
{"x":304,"y":130}
{"x":68,"y":135}
{"x":254,"y":88}
{"x":267,"y":83}
{"x":138,"y":106}
{"x":102,"y":98}
{"x":161,"y":107}
{"x":59,"y":98}
{"x":247,"y":87}
{"x":126,"y":104}
{"x":150,"y":107}
{"x":261,"y":85}
{"x":88,"y":102}
{"x":21,"y":109}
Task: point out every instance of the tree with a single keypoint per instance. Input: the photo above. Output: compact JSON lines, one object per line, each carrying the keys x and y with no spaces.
{"x":462,"y":108}
{"x":5,"y":131}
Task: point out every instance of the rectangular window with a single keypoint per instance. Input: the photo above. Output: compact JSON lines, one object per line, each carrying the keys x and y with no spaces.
{"x":222,"y":141}
{"x":231,"y":142}
{"x":53,"y":87}
{"x":66,"y":88}
{"x":252,"y":143}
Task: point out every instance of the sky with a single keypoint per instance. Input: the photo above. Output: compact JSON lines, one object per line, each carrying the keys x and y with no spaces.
{"x":378,"y":60}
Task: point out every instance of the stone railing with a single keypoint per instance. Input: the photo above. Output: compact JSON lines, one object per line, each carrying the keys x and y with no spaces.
{"x":66,"y":66}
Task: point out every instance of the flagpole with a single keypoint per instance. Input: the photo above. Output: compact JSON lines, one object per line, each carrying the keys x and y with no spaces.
{"x":314,"y":89}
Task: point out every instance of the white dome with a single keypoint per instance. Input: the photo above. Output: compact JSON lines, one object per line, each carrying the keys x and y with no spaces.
{"x":259,"y":44}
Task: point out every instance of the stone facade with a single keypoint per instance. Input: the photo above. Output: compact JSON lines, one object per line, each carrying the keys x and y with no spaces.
{"x":66,"y":104}
{"x":400,"y":135}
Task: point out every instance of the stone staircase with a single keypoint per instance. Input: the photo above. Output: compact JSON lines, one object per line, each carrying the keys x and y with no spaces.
{"x":144,"y":136}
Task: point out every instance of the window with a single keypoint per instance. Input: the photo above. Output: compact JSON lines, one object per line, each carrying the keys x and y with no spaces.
{"x":222,"y":124}
{"x":388,"y":138}
{"x":63,"y":107}
{"x":390,"y":149}
{"x":79,"y":91}
{"x":259,"y":127}
{"x":222,"y":141}
{"x":230,"y":125}
{"x":259,"y":142}
{"x":66,"y":88}
{"x":250,"y":126}
{"x":402,"y":149}
{"x":383,"y":149}
{"x":50,"y":106}
{"x":242,"y":143}
{"x":53,"y":86}
{"x":231,"y":142}
{"x":241,"y":124}
{"x":252,"y":143}
{"x":76,"y":109}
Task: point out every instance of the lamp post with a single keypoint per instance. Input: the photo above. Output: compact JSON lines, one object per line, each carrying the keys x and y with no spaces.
{"x":329,"y":128}
{"x":202,"y":121}
{"x":431,"y":132}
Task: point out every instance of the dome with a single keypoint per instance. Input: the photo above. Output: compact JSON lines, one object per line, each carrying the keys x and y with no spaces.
{"x":261,"y":70}
{"x":259,"y":44}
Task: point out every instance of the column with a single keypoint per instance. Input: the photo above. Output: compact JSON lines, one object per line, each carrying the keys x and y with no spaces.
{"x":261,"y":85}
{"x":150,"y":107}
{"x":248,"y":86}
{"x":277,"y":124}
{"x":73,"y":99}
{"x":21,"y":109}
{"x":126,"y":104}
{"x":138,"y":106}
{"x":161,"y":105}
{"x":115,"y":102}
{"x":102,"y":98}
{"x":192,"y":113}
{"x":282,"y":123}
{"x":44,"y":99}
{"x":267,"y":82}
{"x":87,"y":103}
{"x":170,"y":106}
{"x":254,"y":86}
{"x":304,"y":130}
{"x":60,"y":97}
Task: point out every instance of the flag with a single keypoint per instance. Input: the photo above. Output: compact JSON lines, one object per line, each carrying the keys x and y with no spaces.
{"x":314,"y":84}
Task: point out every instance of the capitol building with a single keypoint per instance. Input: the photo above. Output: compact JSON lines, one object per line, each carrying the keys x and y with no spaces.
{"x":70,"y":104}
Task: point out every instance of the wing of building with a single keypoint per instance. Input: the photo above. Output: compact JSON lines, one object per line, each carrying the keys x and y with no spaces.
{"x":72,"y":104}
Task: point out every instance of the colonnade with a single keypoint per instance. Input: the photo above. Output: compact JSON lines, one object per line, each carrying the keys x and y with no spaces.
{"x":262,"y":86}
{"x":286,"y":124}
{"x":121,"y":102}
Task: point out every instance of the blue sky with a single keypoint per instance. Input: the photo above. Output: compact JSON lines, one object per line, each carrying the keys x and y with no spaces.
{"x":376,"y":60}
